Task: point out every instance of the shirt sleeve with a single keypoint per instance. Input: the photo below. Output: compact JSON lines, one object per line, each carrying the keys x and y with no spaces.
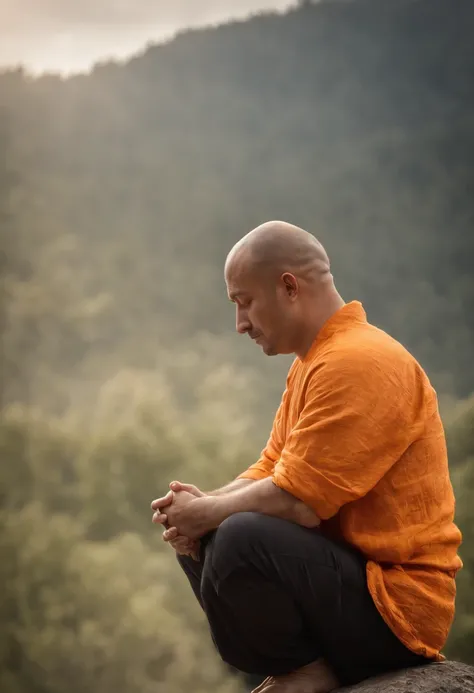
{"x":269,"y":456}
{"x":357,"y":420}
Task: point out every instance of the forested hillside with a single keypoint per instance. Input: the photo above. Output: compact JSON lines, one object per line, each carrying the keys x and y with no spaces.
{"x":351,"y":119}
{"x":121,"y":191}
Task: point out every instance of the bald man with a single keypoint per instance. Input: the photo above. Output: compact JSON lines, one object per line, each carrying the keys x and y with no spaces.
{"x":333,"y":558}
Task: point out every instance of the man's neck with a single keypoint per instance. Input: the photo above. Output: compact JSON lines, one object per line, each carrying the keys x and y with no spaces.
{"x":327,"y":308}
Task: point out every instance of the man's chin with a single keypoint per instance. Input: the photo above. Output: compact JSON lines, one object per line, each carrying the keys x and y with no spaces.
{"x":269,"y":350}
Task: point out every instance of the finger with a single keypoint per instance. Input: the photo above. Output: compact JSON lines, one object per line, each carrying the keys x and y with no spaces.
{"x":162,"y":502}
{"x":190,"y":488}
{"x":179,"y":486}
{"x":180,"y":541}
{"x":196,"y":551}
{"x":182,"y":548}
{"x":170,"y":534}
{"x":159,"y":518}
{"x":181,"y":544}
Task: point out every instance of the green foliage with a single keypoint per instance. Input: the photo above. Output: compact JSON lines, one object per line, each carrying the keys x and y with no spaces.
{"x":90,"y":616}
{"x":461,"y":446}
{"x":92,"y":599}
{"x":352,"y":119}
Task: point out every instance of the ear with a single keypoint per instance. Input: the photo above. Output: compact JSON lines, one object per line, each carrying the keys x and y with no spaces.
{"x":291,"y":284}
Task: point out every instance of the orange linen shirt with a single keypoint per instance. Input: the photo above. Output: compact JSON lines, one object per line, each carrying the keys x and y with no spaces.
{"x":358,"y":437}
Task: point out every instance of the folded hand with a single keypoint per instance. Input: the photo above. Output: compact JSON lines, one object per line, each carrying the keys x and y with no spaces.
{"x":183,"y":545}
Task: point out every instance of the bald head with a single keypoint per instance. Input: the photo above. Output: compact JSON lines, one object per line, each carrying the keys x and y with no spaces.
{"x":277,"y":247}
{"x":279,"y":278}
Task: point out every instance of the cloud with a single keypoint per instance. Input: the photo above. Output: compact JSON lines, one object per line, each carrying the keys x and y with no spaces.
{"x":72,"y":34}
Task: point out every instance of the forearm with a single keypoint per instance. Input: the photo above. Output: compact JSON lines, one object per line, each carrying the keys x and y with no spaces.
{"x":235,"y":485}
{"x":265,"y":497}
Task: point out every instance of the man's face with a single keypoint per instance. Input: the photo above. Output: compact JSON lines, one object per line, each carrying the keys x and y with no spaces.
{"x":263,"y":308}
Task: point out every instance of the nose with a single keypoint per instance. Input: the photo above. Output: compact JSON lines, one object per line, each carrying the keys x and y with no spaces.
{"x":242,"y":322}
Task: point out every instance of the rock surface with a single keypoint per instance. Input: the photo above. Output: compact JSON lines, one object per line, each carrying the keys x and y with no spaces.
{"x":445,"y":677}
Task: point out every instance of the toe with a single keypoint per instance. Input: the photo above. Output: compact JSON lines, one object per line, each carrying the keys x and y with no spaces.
{"x":261,"y":688}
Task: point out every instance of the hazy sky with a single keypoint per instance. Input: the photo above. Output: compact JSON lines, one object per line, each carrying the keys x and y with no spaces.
{"x":70,"y":35}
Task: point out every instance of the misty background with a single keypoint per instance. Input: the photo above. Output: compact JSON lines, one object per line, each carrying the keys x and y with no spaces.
{"x":123,"y":185}
{"x":66,"y":36}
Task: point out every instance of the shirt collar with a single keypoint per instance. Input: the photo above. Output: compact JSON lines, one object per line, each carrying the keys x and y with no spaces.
{"x":346,"y":317}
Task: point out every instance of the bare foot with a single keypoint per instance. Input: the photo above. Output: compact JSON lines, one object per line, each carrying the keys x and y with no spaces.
{"x":316,"y":677}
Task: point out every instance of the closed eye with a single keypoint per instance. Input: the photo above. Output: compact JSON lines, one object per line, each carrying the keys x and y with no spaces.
{"x":241,"y":302}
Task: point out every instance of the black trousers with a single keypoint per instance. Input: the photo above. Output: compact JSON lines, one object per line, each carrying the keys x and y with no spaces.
{"x":278,"y":596}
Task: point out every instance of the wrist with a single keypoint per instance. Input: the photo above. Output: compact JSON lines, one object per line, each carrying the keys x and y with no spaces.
{"x":220,"y":509}
{"x":287,"y":504}
{"x":295,"y":510}
{"x":215,"y":510}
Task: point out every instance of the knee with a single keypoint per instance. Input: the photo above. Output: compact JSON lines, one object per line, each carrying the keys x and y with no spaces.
{"x":239,"y":531}
{"x":238,"y":538}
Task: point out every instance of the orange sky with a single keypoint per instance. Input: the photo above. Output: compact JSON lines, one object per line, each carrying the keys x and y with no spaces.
{"x":70,"y":35}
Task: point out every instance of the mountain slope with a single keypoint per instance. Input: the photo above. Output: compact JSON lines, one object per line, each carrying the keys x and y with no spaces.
{"x":352,"y":119}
